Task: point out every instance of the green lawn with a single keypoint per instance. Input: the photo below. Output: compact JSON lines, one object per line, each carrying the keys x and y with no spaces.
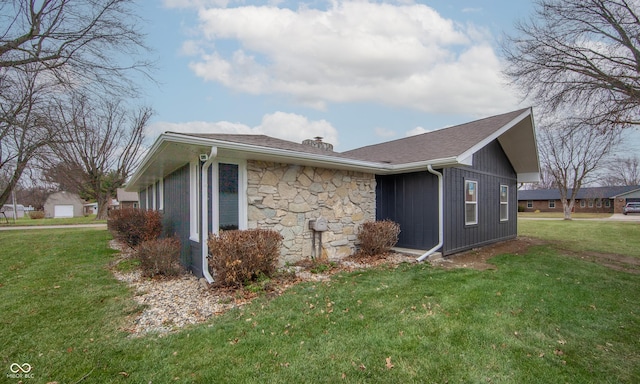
{"x":539,"y":317}
{"x":27,"y":221}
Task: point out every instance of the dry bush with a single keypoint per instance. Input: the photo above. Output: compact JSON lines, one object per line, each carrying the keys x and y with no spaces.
{"x":240,"y":256}
{"x":133,"y":226}
{"x":36,"y":215}
{"x":377,"y":237}
{"x":160,"y":257}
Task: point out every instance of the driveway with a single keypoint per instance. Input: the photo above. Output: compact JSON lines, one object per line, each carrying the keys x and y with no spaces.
{"x":621,"y":217}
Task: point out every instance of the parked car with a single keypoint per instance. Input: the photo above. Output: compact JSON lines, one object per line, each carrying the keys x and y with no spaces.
{"x":631,"y":208}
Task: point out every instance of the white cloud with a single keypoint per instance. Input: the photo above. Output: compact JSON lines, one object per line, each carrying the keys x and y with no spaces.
{"x":286,"y":126}
{"x":398,"y":55}
{"x":416,"y":131}
{"x":384,"y":132}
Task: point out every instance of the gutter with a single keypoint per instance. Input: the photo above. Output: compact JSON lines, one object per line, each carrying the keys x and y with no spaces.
{"x":440,"y":215}
{"x":204,"y":215}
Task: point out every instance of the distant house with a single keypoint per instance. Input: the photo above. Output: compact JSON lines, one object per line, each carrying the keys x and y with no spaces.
{"x":8,"y":211}
{"x":126,"y":199}
{"x":450,"y":190}
{"x":64,"y":204}
{"x":588,"y":200}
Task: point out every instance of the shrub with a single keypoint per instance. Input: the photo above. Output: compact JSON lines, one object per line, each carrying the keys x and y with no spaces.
{"x":160,"y":257}
{"x":36,"y":215}
{"x":241,"y":256}
{"x":378,"y":237}
{"x":133,"y":226}
{"x":521,"y":208}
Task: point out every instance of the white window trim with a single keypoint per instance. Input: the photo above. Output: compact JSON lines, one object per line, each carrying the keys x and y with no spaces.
{"x":242,"y":193}
{"x":552,"y":204}
{"x":194,"y":200}
{"x":506,"y":203}
{"x":583,"y":203}
{"x":153,"y":196}
{"x":529,"y":203}
{"x":475,"y":203}
{"x":607,"y":203}
{"x":161,"y":194}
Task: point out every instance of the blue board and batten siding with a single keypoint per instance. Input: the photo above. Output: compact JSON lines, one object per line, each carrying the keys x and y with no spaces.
{"x":411,"y":200}
{"x":491,"y":168}
{"x":175,"y":217}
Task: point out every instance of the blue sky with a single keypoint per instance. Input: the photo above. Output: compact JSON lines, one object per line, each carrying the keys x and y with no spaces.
{"x":354,"y":72}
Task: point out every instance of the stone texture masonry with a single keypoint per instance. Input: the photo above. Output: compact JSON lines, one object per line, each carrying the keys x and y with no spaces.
{"x":285,"y":197}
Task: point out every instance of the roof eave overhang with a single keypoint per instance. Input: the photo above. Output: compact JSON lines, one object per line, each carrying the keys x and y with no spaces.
{"x":231,"y":149}
{"x":518,"y":140}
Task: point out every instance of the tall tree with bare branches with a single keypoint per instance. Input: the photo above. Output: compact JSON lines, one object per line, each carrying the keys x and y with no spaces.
{"x":49,"y":48}
{"x":580,"y":55}
{"x":572,"y":154}
{"x":623,"y":171}
{"x":100,"y":140}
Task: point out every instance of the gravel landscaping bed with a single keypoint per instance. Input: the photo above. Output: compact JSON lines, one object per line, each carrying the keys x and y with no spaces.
{"x":172,"y":303}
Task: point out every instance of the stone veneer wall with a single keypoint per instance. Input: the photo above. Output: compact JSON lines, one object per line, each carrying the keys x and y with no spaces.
{"x":285,"y":197}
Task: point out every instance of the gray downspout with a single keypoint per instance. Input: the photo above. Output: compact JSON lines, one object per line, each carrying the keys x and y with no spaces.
{"x":440,"y":215}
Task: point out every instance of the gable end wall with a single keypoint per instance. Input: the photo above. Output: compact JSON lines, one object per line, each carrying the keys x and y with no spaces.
{"x":491,"y":168}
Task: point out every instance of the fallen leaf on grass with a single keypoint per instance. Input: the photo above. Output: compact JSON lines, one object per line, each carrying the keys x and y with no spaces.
{"x":123,"y":374}
{"x":388,"y":363}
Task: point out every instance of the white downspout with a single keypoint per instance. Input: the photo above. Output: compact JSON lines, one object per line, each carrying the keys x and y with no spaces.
{"x":440,"y":215}
{"x":204,"y":208}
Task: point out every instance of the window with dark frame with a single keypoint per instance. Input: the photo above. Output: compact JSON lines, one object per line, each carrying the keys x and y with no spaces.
{"x":470,"y":202}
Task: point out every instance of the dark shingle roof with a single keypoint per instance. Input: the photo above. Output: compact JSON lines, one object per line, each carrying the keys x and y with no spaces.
{"x":440,"y":144}
{"x":583,"y":193}
{"x":269,"y":142}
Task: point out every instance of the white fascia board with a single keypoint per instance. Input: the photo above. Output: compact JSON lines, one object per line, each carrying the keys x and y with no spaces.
{"x":419,"y":166}
{"x":146,"y":161}
{"x":494,"y":135}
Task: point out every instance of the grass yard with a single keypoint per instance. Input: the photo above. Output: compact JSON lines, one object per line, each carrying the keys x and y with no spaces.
{"x":539,"y":317}
{"x":27,"y":221}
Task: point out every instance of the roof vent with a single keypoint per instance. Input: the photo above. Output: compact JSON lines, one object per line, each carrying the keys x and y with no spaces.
{"x":317,"y":142}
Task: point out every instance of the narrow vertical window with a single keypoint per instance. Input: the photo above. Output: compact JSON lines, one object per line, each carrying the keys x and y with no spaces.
{"x":504,"y":202}
{"x":529,"y":203}
{"x":228,"y":202}
{"x":470,"y":202}
{"x":552,"y":203}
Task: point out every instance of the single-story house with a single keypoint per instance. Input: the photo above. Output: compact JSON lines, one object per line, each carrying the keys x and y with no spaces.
{"x":9,"y":213}
{"x":450,"y":190}
{"x":588,"y":199}
{"x":126,"y":199}
{"x":64,"y":204}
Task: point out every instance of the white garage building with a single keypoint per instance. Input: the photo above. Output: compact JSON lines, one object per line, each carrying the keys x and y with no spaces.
{"x":63,"y":204}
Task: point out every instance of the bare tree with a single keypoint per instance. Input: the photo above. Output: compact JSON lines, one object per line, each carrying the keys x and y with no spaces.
{"x":49,"y":48}
{"x":582,"y":55}
{"x":24,"y":129}
{"x":571,"y":154}
{"x":623,"y":171}
{"x":100,"y":142}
